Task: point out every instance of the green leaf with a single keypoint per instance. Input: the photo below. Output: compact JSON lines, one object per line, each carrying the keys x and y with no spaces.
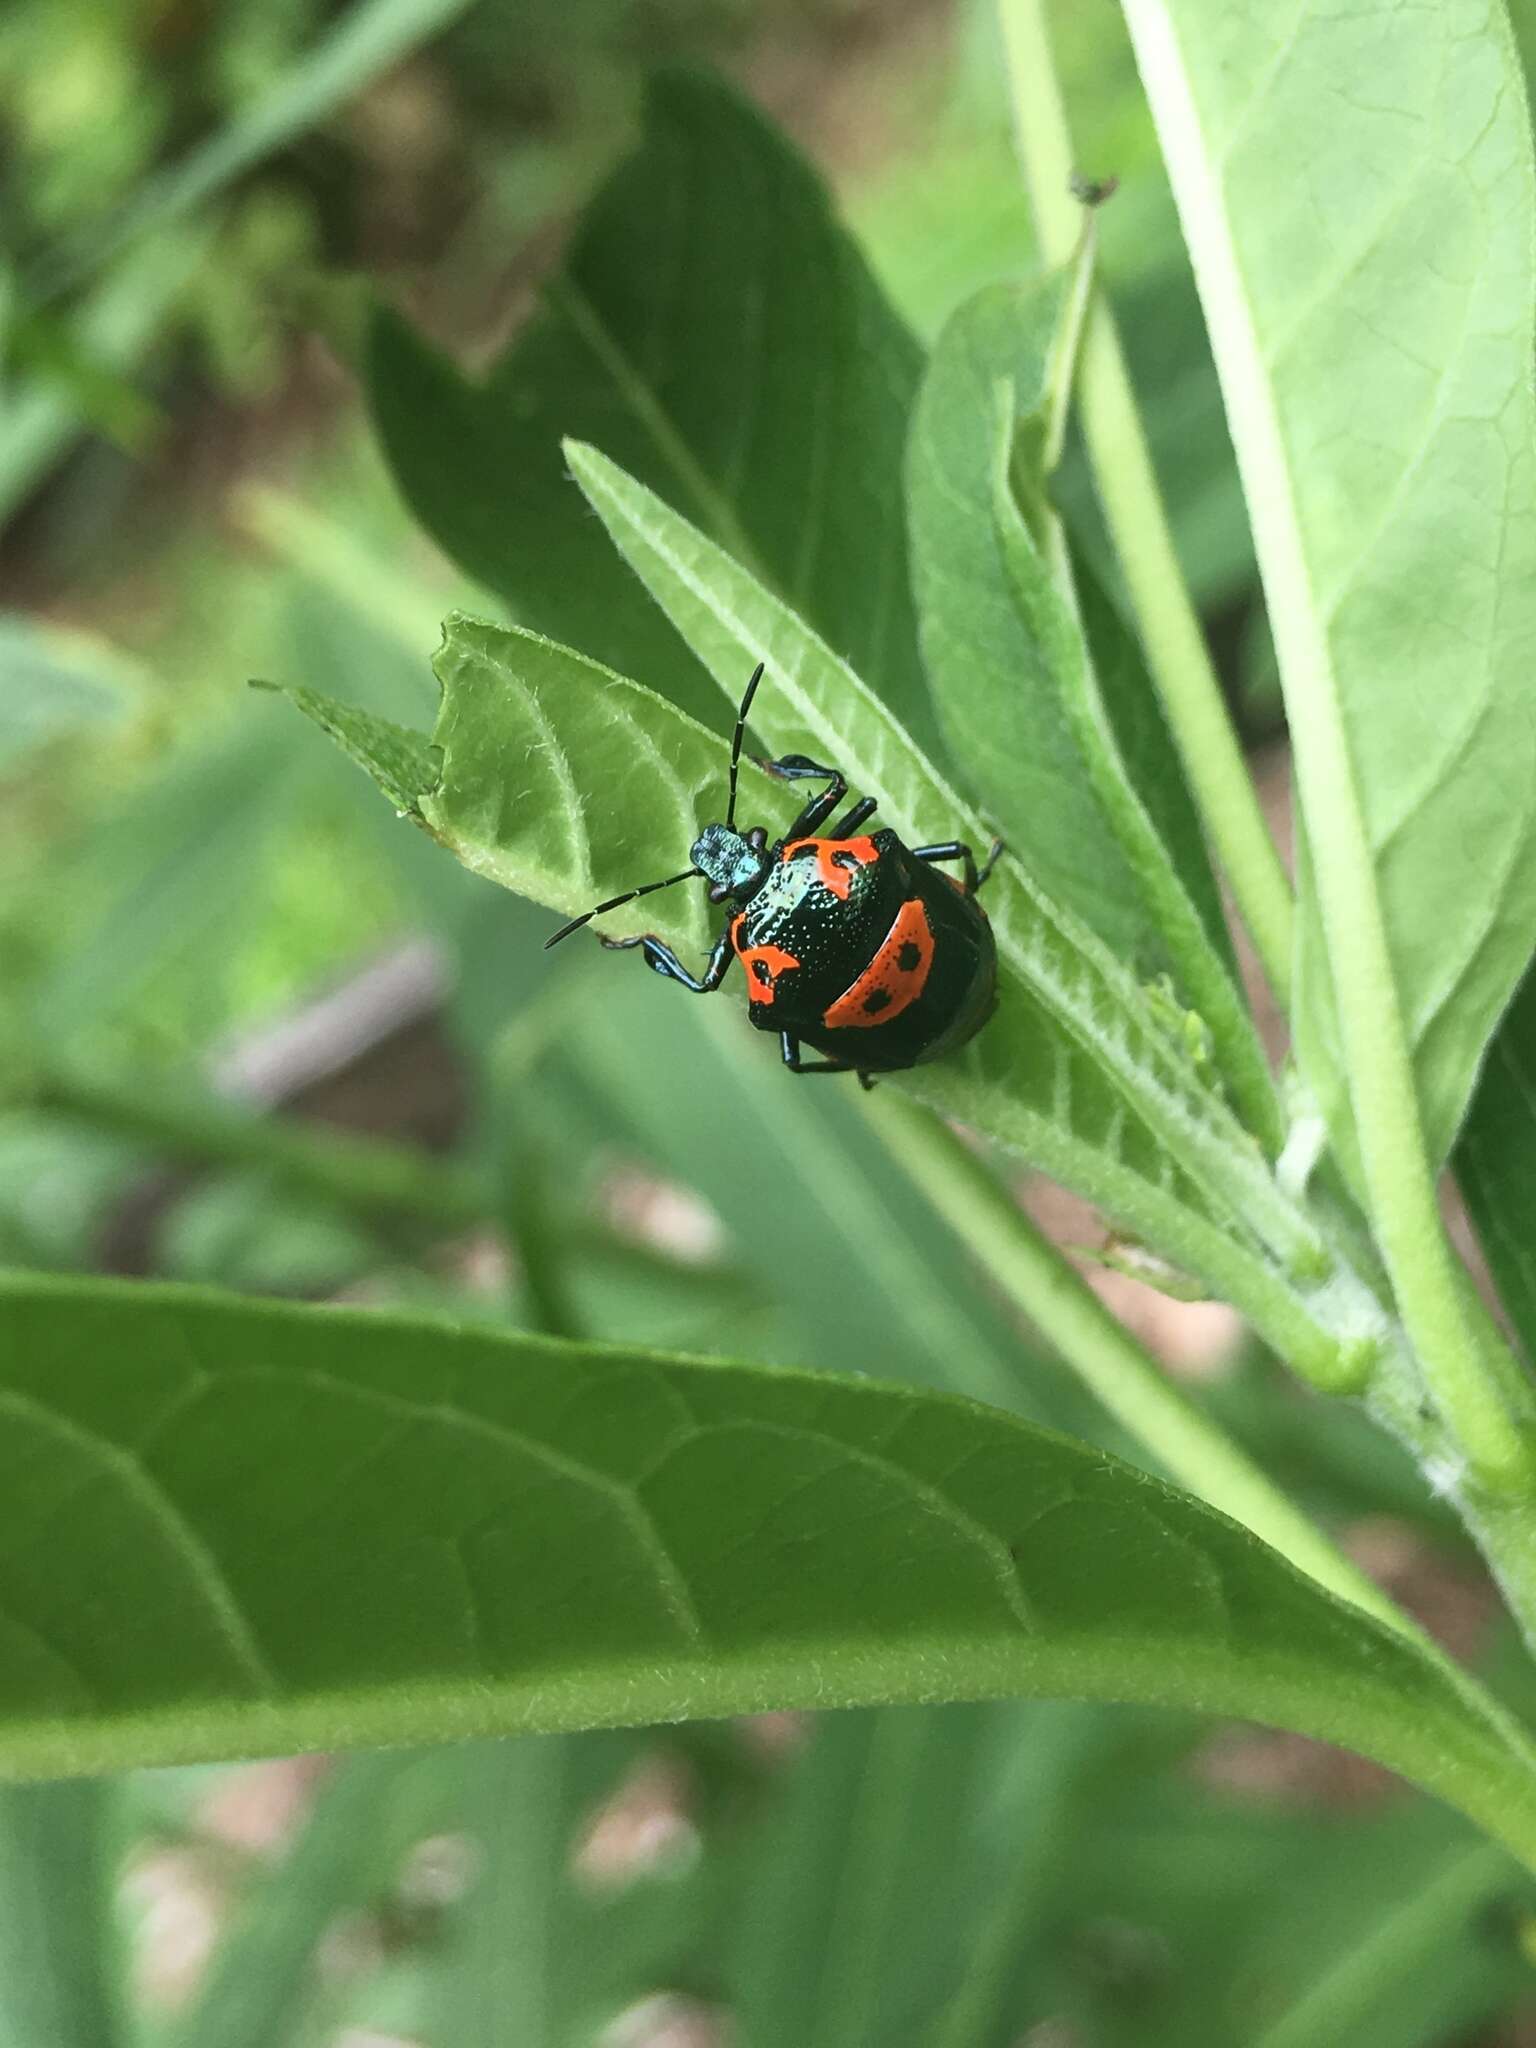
{"x":610,"y":777}
{"x":852,"y":1875}
{"x":56,"y":1874}
{"x":1004,"y":644}
{"x":717,"y":329}
{"x":59,"y":1183}
{"x":43,"y":346}
{"x":1372,"y":323}
{"x":401,"y":762}
{"x":1241,"y":1910}
{"x":998,"y":664}
{"x":282,"y":1528}
{"x":609,"y":774}
{"x":1069,"y":769}
{"x":246,"y":1231}
{"x":1148,"y":752}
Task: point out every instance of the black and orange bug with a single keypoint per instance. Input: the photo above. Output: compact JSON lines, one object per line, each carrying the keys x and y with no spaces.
{"x":852,"y":943}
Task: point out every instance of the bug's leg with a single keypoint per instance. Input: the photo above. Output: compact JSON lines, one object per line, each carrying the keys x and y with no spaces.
{"x":850,"y":822}
{"x":790,"y":1046}
{"x":956,"y":849}
{"x":662,"y":960}
{"x":952,"y":849}
{"x":798,"y":768}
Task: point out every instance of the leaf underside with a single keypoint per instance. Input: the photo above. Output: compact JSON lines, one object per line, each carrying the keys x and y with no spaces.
{"x":1372,"y":318}
{"x":228,"y":1527}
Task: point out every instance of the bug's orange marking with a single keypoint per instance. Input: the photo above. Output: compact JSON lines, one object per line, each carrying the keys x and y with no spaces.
{"x":895,"y":977}
{"x":836,"y":860}
{"x":764,"y":964}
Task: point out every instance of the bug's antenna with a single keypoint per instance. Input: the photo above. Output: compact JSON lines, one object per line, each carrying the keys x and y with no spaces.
{"x":613,"y":903}
{"x":741,"y":730}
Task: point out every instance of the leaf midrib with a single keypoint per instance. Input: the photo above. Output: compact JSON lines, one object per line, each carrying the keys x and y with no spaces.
{"x":648,"y":413}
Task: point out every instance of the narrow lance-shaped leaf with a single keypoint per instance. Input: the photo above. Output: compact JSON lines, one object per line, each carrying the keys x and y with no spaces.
{"x":285,"y":1528}
{"x":1372,"y":321}
{"x":716,"y":327}
{"x":1070,"y":773}
{"x":997,"y":668}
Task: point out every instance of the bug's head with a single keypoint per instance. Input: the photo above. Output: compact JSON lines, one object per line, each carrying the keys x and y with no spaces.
{"x":733,"y":862}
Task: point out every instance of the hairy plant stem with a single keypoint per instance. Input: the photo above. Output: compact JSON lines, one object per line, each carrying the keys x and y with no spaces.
{"x":1127,"y":485}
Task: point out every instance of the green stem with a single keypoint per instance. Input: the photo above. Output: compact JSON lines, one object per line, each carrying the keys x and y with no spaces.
{"x":368,"y":1175}
{"x":1175,"y":647}
{"x":1341,"y":2003}
{"x":1067,"y":348}
{"x":1127,"y":1382}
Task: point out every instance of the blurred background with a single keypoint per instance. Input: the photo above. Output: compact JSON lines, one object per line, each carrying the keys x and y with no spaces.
{"x":255,"y":1033}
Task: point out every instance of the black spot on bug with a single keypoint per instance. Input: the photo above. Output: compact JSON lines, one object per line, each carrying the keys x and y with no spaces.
{"x":763,"y":972}
{"x":877,"y":1000}
{"x":908,"y":957}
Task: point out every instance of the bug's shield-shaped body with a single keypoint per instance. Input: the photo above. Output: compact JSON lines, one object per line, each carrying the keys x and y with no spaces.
{"x":865,"y":953}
